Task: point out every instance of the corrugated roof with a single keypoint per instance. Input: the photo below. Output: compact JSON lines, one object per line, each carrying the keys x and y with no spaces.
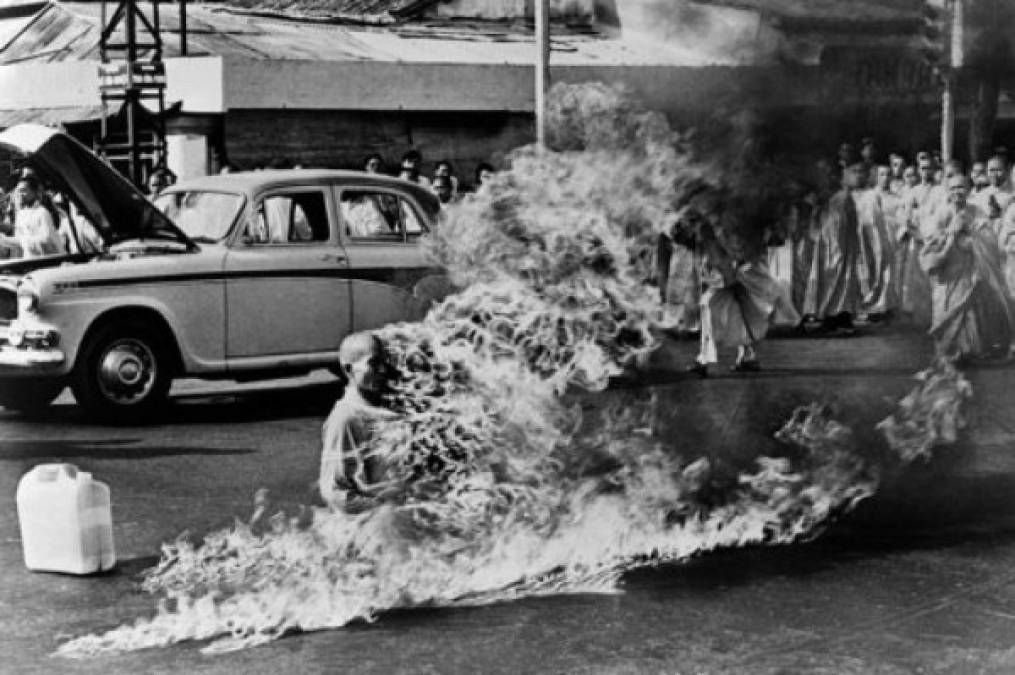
{"x":69,"y":31}
{"x":212,"y":30}
{"x":377,"y":12}
{"x":49,"y":116}
{"x":53,"y":34}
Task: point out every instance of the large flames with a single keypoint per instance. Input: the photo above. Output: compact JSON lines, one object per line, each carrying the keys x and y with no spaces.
{"x":509,"y":492}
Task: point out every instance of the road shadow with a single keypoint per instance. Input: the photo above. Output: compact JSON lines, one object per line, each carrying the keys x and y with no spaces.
{"x":125,"y":448}
{"x":310,"y":400}
{"x":218,"y":407}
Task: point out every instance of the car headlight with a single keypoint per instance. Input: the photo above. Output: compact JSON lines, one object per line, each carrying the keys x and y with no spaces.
{"x":28,"y":298}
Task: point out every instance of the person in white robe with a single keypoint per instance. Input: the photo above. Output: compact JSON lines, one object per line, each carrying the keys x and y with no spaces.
{"x":878,"y":215}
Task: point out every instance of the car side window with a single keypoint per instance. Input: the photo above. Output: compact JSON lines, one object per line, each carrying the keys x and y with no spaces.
{"x":414,"y":225}
{"x":293,"y":218}
{"x":379,"y":216}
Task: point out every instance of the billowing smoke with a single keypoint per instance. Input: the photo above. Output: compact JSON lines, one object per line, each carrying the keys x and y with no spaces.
{"x":700,"y":32}
{"x":504,"y":490}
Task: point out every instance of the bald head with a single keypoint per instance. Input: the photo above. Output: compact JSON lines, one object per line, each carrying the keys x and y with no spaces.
{"x":362,"y":359}
{"x":958,"y":189}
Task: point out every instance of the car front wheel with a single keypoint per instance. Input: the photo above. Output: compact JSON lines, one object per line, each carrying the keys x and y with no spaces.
{"x":29,"y":395}
{"x":123,"y":373}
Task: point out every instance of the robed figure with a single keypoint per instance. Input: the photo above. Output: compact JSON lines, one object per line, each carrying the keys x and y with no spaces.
{"x":972,"y":311}
{"x":834,"y":291}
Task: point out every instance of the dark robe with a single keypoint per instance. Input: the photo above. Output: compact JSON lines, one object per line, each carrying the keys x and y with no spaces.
{"x":834,"y":285}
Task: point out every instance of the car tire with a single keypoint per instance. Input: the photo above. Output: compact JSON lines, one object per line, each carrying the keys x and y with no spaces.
{"x":29,"y":395}
{"x":123,"y":373}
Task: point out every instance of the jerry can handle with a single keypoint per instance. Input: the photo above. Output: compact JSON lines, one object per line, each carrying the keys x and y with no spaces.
{"x":49,"y":473}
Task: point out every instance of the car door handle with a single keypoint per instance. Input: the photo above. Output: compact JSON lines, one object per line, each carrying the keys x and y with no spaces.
{"x":333,"y":257}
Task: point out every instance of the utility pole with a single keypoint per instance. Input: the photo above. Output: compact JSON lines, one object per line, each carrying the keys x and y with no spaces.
{"x":956,"y":59}
{"x":542,"y":10}
{"x":132,"y":72}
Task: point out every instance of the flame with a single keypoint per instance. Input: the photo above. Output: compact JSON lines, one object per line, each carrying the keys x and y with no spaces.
{"x":508,"y":492}
{"x":930,"y":415}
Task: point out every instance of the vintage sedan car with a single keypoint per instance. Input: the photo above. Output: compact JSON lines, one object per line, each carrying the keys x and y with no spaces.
{"x":239,"y":276}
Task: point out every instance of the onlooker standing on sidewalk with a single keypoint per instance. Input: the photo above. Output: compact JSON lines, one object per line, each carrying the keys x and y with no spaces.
{"x":373,"y":163}
{"x":484,"y":172}
{"x":411,"y":166}
{"x":444,"y":169}
{"x":444,"y":189}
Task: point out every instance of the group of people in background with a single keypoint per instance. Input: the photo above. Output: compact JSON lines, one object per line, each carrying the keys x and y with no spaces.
{"x":444,"y":183}
{"x":913,"y":240}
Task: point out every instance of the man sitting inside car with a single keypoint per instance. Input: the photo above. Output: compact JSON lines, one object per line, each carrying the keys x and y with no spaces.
{"x":281,"y":221}
{"x":365,"y":215}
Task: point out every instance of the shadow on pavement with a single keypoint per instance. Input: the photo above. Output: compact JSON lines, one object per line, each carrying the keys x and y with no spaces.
{"x":126,"y":448}
{"x":221,"y":406}
{"x":254,"y":406}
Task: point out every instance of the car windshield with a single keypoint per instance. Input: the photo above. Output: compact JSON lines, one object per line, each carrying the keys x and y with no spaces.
{"x":203,"y":216}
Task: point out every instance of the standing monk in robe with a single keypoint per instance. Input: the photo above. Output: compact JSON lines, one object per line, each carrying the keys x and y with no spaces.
{"x":893,"y":207}
{"x":897,"y":166}
{"x":739,"y":300}
{"x":780,"y":239}
{"x":876,"y":245}
{"x":918,"y":219}
{"x":992,"y":201}
{"x":834,"y":290}
{"x":1006,"y":242}
{"x":973,"y":313}
{"x":806,"y":281}
{"x":811,"y":209}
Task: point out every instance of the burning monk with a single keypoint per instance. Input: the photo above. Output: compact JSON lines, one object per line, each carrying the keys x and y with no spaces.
{"x":973,"y":314}
{"x":350,"y":472}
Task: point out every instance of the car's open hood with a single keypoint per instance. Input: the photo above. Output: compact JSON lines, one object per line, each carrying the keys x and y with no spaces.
{"x":117,"y":209}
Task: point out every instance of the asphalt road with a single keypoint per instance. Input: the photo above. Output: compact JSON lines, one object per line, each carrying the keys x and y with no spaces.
{"x":920,"y":579}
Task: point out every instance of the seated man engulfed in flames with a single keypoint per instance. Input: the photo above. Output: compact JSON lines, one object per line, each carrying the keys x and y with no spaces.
{"x":349,"y":472}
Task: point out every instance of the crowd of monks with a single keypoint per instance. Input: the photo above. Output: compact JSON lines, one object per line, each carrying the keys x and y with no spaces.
{"x":922,"y":243}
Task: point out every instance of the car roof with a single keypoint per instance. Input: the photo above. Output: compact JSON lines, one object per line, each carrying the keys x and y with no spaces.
{"x":253,"y":181}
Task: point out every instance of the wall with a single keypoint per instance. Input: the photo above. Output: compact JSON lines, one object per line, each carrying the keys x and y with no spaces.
{"x":375,"y":85}
{"x":49,"y":85}
{"x":342,"y":139}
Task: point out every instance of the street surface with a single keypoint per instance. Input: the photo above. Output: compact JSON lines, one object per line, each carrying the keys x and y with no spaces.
{"x":920,"y":578}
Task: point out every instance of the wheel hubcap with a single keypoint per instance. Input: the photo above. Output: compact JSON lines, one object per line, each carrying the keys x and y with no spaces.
{"x":127,"y":371}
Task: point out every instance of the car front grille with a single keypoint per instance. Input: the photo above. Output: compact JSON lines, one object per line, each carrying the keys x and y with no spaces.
{"x":8,"y":305}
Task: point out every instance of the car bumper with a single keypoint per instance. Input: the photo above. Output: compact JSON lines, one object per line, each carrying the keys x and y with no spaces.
{"x":28,"y":357}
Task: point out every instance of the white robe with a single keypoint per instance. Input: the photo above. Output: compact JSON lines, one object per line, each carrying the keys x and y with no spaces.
{"x":36,"y":232}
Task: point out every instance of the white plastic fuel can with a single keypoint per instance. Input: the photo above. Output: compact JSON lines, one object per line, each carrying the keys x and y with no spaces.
{"x":66,"y":520}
